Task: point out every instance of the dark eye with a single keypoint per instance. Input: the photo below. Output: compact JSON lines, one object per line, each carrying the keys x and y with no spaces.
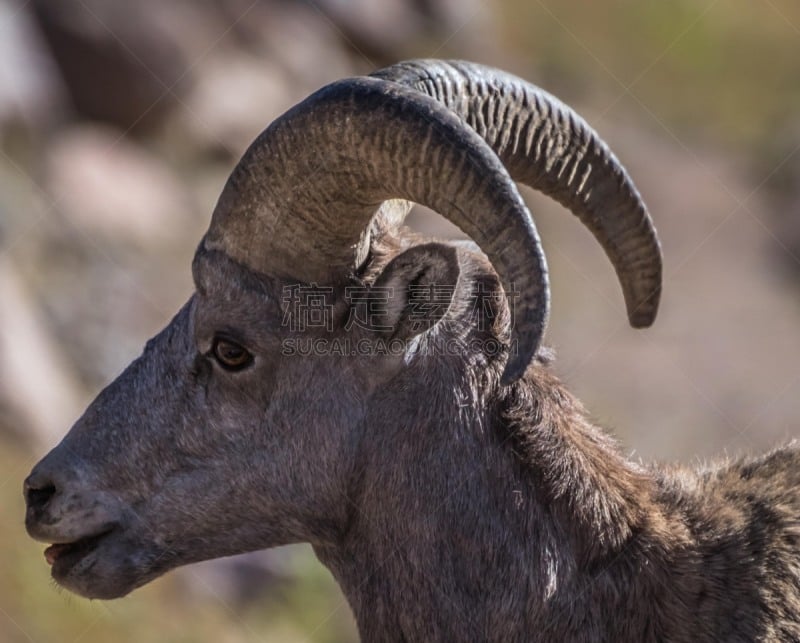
{"x":230,"y":355}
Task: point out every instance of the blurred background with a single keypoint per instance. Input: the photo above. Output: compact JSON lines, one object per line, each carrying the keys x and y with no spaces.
{"x":120,"y":121}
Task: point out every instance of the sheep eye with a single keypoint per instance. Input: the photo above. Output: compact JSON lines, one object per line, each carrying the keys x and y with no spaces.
{"x":230,"y":355}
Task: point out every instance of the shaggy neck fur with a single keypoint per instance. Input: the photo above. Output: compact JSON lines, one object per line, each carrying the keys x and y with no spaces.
{"x":511,"y":526}
{"x":532,"y":527}
{"x":481,"y":513}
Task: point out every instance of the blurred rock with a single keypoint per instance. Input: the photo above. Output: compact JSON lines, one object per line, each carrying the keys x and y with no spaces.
{"x":120,"y":61}
{"x":29,"y":85}
{"x":114,"y":189}
{"x":236,"y":97}
{"x":270,"y":60}
{"x":391,"y":30}
{"x":36,"y":383}
{"x":298,"y":38}
{"x":379,"y":29}
{"x":110,"y":256}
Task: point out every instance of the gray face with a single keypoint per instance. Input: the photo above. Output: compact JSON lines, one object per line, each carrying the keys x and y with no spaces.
{"x":182,"y":459}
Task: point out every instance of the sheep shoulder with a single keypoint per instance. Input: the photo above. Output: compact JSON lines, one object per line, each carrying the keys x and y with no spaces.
{"x":743,"y":517}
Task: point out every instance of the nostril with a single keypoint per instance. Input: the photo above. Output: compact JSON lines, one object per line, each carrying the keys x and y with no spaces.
{"x":38,"y":495}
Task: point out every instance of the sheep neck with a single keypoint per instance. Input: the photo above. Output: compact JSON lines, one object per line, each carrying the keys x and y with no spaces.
{"x":520,"y":493}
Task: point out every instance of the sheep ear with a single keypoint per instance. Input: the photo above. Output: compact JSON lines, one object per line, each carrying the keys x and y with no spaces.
{"x":417,"y":287}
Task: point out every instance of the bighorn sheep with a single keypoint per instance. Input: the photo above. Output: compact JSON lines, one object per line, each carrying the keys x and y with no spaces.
{"x":454,"y":488}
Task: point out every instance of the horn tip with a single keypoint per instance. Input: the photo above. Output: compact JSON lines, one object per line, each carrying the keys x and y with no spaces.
{"x":642,"y":318}
{"x":643,"y":309}
{"x":514,"y":370}
{"x":510,"y":375}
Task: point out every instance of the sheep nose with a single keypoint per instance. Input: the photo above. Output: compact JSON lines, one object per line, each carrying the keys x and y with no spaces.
{"x":39,"y":488}
{"x":61,"y":507}
{"x":50,"y":480}
{"x":46,"y":489}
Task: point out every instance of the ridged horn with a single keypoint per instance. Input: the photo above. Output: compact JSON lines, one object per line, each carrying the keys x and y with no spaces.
{"x":298,"y":201}
{"x":547,"y":146}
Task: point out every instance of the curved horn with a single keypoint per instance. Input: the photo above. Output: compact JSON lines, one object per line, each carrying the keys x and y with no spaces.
{"x":547,"y":146}
{"x":311,"y":182}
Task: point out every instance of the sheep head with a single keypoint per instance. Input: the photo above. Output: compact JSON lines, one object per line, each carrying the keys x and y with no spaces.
{"x":226,"y":435}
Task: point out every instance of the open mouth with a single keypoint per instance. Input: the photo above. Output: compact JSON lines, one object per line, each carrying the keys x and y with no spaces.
{"x":70,"y":553}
